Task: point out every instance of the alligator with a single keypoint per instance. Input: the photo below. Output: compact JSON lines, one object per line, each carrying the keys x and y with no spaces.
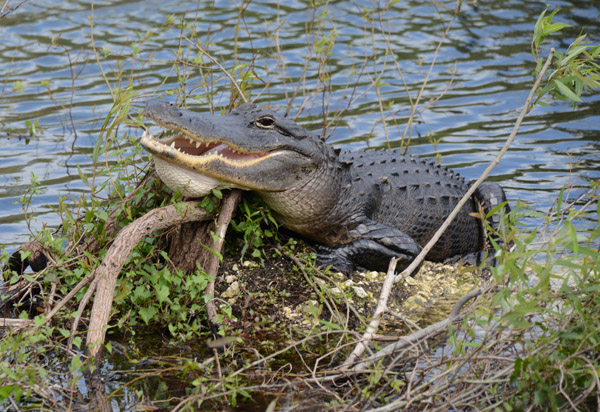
{"x":361,"y":208}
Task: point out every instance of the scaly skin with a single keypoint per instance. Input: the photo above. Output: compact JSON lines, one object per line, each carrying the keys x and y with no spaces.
{"x":361,"y":208}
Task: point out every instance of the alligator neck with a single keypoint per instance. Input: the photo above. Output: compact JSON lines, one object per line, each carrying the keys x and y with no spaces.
{"x":309,"y":205}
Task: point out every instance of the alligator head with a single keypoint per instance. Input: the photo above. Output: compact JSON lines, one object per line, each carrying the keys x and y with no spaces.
{"x":294,"y":171}
{"x":249,"y":148}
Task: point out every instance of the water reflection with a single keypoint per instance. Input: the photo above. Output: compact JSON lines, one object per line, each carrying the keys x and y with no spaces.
{"x":49,"y":41}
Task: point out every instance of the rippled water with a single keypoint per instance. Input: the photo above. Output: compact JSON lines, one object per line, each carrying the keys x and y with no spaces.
{"x":489,"y":44}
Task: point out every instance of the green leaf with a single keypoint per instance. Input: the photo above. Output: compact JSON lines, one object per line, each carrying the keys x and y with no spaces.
{"x":148,"y":313}
{"x":559,"y":200}
{"x":6,"y":391}
{"x":572,"y":236}
{"x":218,"y":194}
{"x":102,"y":215}
{"x":571,"y":54}
{"x":537,"y":32}
{"x":564,"y":89}
{"x":66,"y":333}
{"x":75,"y":363}
{"x":495,"y":210}
{"x":162,"y":293}
{"x":18,"y":393}
{"x":77,"y":342}
{"x":552,"y":28}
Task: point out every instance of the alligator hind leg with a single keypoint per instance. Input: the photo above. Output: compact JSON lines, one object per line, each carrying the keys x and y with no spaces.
{"x":490,"y":195}
{"x":376,"y":244}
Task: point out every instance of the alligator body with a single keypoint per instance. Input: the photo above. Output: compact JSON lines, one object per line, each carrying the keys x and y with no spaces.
{"x":362,"y":208}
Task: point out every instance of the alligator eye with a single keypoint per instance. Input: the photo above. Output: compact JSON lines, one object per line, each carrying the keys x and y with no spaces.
{"x":265,"y":122}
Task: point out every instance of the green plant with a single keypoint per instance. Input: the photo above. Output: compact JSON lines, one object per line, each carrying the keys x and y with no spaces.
{"x":163,"y":297}
{"x":256,"y":225}
{"x":553,"y":295}
{"x":575,"y":70}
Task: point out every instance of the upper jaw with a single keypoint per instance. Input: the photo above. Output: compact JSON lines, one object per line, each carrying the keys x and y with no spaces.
{"x":173,"y":145}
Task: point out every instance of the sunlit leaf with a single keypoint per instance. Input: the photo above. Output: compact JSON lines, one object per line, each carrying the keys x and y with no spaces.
{"x":566,"y":91}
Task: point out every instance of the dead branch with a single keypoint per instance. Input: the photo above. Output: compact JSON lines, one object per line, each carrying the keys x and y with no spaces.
{"x":421,"y":333}
{"x":9,"y":323}
{"x":227,"y":210}
{"x":373,"y":325}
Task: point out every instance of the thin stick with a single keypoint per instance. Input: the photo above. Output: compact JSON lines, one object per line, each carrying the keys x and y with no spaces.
{"x":227,"y":210}
{"x":419,"y":259}
{"x":421,"y":333}
{"x":67,"y":297}
{"x":212,"y":59}
{"x":10,"y":323}
{"x":373,"y":325}
{"x":82,"y":304}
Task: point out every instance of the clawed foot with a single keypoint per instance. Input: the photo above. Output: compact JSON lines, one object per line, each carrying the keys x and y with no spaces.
{"x":336,"y":258}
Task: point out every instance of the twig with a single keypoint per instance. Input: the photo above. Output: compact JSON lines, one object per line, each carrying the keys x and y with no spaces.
{"x":181,"y":405}
{"x":64,"y":300}
{"x":10,"y":323}
{"x":82,"y":304}
{"x":385,"y":291}
{"x":212,"y":59}
{"x":4,"y":13}
{"x":419,"y":259}
{"x":415,"y":104}
{"x":367,"y":337}
{"x":421,"y":333}
{"x":227,"y":210}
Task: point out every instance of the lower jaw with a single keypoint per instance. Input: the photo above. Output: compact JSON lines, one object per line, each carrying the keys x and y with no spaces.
{"x":188,"y":182}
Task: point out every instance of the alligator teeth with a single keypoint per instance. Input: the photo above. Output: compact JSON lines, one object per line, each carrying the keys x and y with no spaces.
{"x":173,"y":145}
{"x":198,"y":144}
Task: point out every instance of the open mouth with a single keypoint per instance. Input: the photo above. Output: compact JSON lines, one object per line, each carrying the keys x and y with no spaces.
{"x":188,"y":146}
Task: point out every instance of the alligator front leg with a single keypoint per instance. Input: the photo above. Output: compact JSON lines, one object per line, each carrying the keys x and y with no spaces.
{"x":373,"y":248}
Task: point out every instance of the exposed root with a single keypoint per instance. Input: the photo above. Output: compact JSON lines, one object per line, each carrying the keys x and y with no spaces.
{"x":127,"y":239}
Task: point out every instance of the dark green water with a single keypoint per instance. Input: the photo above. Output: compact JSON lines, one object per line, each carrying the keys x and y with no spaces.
{"x":49,"y":41}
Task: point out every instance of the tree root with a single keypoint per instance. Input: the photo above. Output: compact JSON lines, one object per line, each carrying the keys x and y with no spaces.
{"x":127,"y":239}
{"x":102,"y":280}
